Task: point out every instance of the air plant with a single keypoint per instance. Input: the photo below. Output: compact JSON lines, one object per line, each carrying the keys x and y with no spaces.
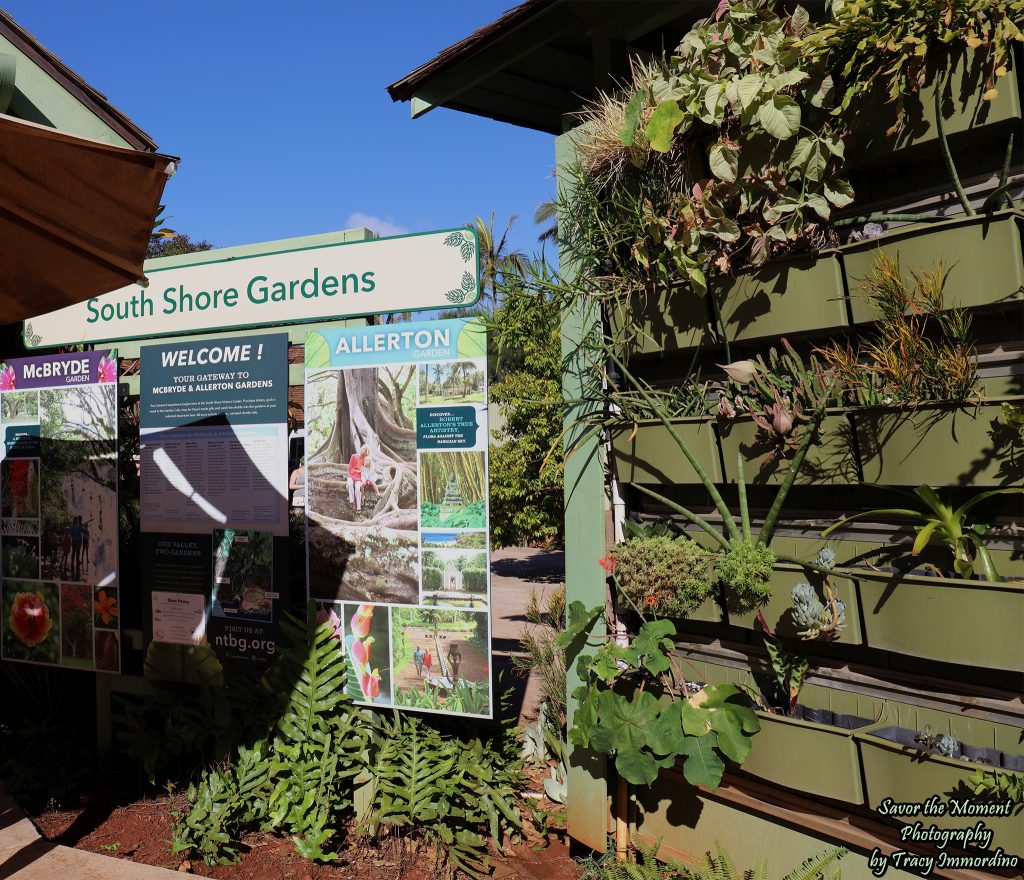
{"x":937,"y":519}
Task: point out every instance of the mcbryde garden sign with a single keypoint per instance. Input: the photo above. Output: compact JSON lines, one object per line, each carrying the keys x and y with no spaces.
{"x":402,"y":274}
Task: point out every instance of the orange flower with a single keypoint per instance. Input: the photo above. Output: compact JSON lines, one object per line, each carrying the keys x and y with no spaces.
{"x":607,"y":563}
{"x":105,"y":606}
{"x":30,"y":619}
{"x":651,"y":600}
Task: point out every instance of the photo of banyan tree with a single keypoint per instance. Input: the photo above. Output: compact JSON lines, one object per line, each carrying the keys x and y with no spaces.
{"x":362,"y":533}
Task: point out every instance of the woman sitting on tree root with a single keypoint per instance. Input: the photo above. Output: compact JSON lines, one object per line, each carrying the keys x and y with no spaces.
{"x":354,"y":482}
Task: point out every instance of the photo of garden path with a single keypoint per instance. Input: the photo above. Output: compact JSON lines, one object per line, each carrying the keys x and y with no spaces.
{"x":455,"y":667}
{"x":362,"y":532}
{"x":454,"y":578}
{"x":453,"y":490}
{"x":452,"y":382}
{"x":474,"y":661}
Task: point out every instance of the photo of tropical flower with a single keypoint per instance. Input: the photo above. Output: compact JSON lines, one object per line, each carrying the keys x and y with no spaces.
{"x":8,"y":378}
{"x":367,"y":643}
{"x":454,"y":578}
{"x":441,"y":660}
{"x":361,"y":530}
{"x":19,"y":407}
{"x":21,"y":557}
{"x":104,"y":607}
{"x":243,"y":565}
{"x":19,"y":478}
{"x":31,"y":621}
{"x":76,"y":617}
{"x":452,"y":382}
{"x":453,"y":490}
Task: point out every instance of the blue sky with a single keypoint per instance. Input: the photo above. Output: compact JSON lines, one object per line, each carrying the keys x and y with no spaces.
{"x":280,"y":114}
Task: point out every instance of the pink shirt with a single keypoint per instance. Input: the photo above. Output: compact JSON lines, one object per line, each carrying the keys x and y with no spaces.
{"x":355,"y":467}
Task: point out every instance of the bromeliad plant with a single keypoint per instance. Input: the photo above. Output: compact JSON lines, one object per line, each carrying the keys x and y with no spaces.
{"x":634,"y":704}
{"x":934,"y":518}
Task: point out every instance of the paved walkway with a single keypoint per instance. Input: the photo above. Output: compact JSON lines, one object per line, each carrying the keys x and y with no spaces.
{"x":515,"y":572}
{"x":24,"y":855}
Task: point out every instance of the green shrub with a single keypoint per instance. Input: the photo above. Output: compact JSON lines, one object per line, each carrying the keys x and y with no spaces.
{"x":665,"y":575}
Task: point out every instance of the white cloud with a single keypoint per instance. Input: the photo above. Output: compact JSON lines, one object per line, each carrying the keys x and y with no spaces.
{"x":381,"y":225}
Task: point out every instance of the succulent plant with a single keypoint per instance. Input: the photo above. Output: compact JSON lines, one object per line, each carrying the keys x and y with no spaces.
{"x":826,"y":558}
{"x":814,"y":619}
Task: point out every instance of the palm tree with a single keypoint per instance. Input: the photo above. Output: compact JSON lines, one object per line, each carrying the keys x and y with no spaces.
{"x":495,"y":260}
{"x":547,"y":212}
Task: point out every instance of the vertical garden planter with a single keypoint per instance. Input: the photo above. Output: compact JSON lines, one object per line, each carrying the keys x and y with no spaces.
{"x":967,"y":118}
{"x":784,"y":297}
{"x":673,"y":319}
{"x":648,"y":454}
{"x":777,"y":613}
{"x":897,"y":768}
{"x":940,"y":445}
{"x":818,"y":759}
{"x":973,"y":623}
{"x":971,"y":248}
{"x":832,"y":460}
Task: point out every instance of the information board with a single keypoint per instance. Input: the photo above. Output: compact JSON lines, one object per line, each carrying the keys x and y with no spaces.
{"x":397,"y":510}
{"x":214,"y":499}
{"x":58,"y":481}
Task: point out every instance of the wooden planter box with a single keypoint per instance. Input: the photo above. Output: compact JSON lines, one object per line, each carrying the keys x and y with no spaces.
{"x":670,"y":320}
{"x":907,"y":774}
{"x":972,"y":623}
{"x":934,"y":444}
{"x":983,"y":255}
{"x":966,"y":117}
{"x":814,"y":758}
{"x":648,"y":454}
{"x":784,"y":297}
{"x":832,"y":460}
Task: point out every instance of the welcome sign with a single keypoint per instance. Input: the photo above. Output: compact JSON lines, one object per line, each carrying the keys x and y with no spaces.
{"x":406,"y":273}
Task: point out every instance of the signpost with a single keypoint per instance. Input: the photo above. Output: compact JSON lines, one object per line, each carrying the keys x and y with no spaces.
{"x":395,"y":480}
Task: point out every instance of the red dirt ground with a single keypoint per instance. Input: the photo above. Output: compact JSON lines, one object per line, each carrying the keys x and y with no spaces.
{"x":141,"y":832}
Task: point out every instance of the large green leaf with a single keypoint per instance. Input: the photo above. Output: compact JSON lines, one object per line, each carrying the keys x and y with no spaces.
{"x":748,"y":89}
{"x":579,"y":621}
{"x":731,"y":739}
{"x":703,"y":765}
{"x":724,"y":161}
{"x":637,"y":768}
{"x":662,"y":125}
{"x":780,"y":117}
{"x":665,"y":736}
